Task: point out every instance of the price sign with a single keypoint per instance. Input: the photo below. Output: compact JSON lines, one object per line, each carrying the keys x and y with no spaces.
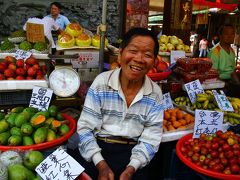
{"x":167,"y":101}
{"x":207,"y":122}
{"x":175,"y":55}
{"x":222,"y":101}
{"x":40,"y":98}
{"x":193,"y":88}
{"x":20,"y":54}
{"x":59,"y":165}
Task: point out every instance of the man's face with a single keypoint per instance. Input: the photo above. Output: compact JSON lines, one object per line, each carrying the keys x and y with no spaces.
{"x":55,"y":10}
{"x":228,"y":35}
{"x":137,"y":58}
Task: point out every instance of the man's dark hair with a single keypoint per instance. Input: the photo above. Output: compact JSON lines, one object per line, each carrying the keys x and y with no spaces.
{"x":139,"y":32}
{"x":224,"y":26}
{"x":57,"y":4}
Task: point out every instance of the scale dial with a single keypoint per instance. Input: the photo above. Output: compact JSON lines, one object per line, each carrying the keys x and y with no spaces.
{"x":64,"y":81}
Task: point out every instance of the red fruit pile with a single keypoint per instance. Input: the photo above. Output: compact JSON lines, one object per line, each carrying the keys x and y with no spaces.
{"x":159,"y":66}
{"x":219,"y":152}
{"x":11,"y":69}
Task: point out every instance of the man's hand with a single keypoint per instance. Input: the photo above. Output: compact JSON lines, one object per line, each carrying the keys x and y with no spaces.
{"x":127,"y":173}
{"x":105,"y":173}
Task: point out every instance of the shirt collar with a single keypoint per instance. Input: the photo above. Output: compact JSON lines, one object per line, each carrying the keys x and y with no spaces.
{"x":114,"y":82}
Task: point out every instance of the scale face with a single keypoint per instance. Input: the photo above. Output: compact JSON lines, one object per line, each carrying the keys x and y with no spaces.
{"x":64,"y":81}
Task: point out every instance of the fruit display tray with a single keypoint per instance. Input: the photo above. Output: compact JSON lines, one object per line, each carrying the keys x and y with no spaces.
{"x":36,"y":55}
{"x":198,"y":168}
{"x":21,"y":84}
{"x":46,"y":145}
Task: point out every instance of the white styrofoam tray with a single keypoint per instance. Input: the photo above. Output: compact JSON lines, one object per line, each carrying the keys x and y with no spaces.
{"x":37,"y":56}
{"x":21,"y":84}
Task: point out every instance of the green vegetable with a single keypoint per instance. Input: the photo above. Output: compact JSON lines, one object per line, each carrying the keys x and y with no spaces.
{"x":25,"y":45}
{"x":6,"y":45}
{"x":40,"y":46}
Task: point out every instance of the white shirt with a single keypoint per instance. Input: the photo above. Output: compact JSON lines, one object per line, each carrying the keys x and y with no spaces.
{"x":48,"y":24}
{"x":105,"y":113}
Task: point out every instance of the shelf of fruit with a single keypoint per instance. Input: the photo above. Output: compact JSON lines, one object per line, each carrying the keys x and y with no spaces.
{"x":214,"y":155}
{"x":22,"y":75}
{"x":207,"y":101}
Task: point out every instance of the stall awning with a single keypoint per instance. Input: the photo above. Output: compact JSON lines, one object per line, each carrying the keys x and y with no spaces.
{"x":215,"y":4}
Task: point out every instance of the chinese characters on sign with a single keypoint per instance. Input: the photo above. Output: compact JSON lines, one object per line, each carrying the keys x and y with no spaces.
{"x":59,"y":166}
{"x":20,"y":54}
{"x":193,"y":88}
{"x":86,"y":59}
{"x":207,"y":122}
{"x":222,"y":101}
{"x":167,"y":101}
{"x":40,"y":98}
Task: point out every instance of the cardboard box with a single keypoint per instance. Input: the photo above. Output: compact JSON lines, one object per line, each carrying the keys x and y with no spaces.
{"x":88,"y":58}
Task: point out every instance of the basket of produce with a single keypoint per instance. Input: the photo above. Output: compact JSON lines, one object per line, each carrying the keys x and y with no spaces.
{"x":26,"y":128}
{"x":215,"y":155}
{"x":7,"y":47}
{"x":17,"y":36}
{"x":177,"y":120}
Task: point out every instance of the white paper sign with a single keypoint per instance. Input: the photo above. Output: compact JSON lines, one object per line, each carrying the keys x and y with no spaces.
{"x":222,"y":101}
{"x":193,"y":88}
{"x":167,"y":101}
{"x":175,"y":55}
{"x":59,"y":166}
{"x":41,"y":98}
{"x":207,"y":122}
{"x":86,"y":60}
{"x":20,"y":54}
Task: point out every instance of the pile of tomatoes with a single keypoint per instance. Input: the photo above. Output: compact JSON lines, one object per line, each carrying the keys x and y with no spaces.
{"x":219,"y":152}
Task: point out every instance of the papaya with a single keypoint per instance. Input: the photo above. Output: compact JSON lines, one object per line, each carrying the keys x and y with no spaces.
{"x":26,"y":129}
{"x":16,"y":131}
{"x":53,"y":110}
{"x":48,"y":122}
{"x":44,"y":113}
{"x":55,"y":124}
{"x":51,"y":135}
{"x":37,"y":120}
{"x":40,"y":135}
{"x":20,"y":172}
{"x":17,"y":109}
{"x":15,"y":140}
{"x":31,"y":111}
{"x":59,"y":116}
{"x":3,"y":126}
{"x":4,"y":137}
{"x":63,"y":129}
{"x":27,"y":141}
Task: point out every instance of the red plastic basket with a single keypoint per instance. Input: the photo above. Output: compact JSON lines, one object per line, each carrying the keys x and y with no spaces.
{"x":198,"y":168}
{"x":84,"y":176}
{"x":72,"y":125}
{"x":159,"y":76}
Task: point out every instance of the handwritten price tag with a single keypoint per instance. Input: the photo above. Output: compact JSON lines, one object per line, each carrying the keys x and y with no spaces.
{"x":167,"y":101}
{"x":207,"y":122}
{"x":222,"y":101}
{"x":193,"y":88}
{"x":20,"y":54}
{"x":40,"y":98}
{"x":59,"y":165}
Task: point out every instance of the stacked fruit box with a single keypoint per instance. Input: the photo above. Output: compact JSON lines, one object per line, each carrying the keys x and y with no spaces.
{"x":191,"y":69}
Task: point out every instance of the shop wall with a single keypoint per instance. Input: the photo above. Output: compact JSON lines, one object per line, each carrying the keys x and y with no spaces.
{"x":14,"y":13}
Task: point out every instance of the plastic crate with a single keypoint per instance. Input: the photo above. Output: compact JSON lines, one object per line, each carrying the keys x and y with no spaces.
{"x":15,"y":98}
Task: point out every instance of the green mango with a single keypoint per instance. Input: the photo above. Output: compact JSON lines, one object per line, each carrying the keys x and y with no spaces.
{"x":51,"y":135}
{"x":53,"y":110}
{"x":4,"y":125}
{"x":19,"y":172}
{"x":26,"y":129}
{"x":22,"y":118}
{"x":63,"y":129}
{"x":40,"y":135}
{"x":4,"y":137}
{"x":11,"y":119}
{"x":27,"y":140}
{"x":16,"y":131}
{"x":15,"y":140}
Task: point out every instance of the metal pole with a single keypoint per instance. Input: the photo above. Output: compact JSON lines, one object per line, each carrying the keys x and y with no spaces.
{"x":102,"y":35}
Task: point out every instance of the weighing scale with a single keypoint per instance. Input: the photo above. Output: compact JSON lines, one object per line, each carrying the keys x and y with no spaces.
{"x":64,"y":81}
